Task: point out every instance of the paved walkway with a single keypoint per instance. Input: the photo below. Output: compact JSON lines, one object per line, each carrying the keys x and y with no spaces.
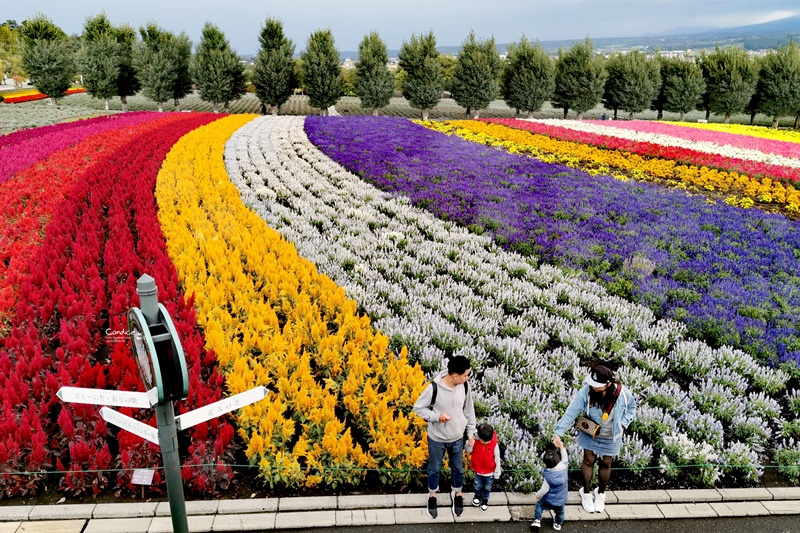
{"x":259,"y":514}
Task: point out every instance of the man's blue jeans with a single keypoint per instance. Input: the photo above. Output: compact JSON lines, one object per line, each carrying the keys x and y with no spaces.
{"x":541,"y":506}
{"x":455,"y":454}
{"x":483,"y":486}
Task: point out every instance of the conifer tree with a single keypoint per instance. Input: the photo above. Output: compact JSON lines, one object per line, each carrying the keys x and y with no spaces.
{"x":321,"y":70}
{"x":731,"y":77}
{"x":374,"y":82}
{"x":529,"y":77}
{"x":580,"y":78}
{"x":273,"y":75}
{"x":128,"y":81}
{"x":682,"y":86}
{"x":99,"y":58}
{"x":632,"y":84}
{"x":423,"y":84}
{"x":476,"y":76}
{"x":162,"y":63}
{"x":778,"y":88}
{"x":216,"y":70}
{"x":47,"y":56}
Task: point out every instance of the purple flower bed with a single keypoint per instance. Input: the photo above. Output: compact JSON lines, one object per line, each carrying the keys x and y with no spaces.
{"x":19,"y":150}
{"x":731,"y":275}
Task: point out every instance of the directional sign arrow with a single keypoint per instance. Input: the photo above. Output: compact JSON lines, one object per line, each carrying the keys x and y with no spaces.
{"x":108,"y":397}
{"x":213,"y":410}
{"x":130,"y":424}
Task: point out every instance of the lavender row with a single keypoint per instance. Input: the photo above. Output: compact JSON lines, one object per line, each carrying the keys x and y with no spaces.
{"x":436,"y":288}
{"x":730,"y":275}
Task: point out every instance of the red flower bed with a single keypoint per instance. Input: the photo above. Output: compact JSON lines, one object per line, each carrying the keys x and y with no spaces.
{"x":37,"y":96}
{"x":28,"y":201}
{"x":77,"y":286}
{"x":646,"y":149}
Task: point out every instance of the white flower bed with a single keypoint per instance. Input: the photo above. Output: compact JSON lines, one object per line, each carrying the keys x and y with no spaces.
{"x":439,"y":289}
{"x":668,"y":140}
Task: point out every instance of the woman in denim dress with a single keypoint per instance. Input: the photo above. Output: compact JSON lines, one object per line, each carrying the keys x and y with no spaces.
{"x":612,"y":406}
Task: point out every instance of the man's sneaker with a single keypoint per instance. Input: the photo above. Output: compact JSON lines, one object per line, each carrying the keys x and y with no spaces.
{"x":586,"y":501}
{"x":599,"y":500}
{"x":484,"y":505}
{"x":432,"y":511}
{"x":458,"y":505}
{"x":536,"y":525}
{"x":556,"y":526}
{"x":476,"y":500}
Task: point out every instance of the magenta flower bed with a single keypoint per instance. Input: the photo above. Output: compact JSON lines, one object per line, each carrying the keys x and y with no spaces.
{"x":25,"y":148}
{"x":770,"y":146}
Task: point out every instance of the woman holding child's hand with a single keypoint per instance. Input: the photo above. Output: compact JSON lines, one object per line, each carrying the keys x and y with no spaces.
{"x":612,"y":407}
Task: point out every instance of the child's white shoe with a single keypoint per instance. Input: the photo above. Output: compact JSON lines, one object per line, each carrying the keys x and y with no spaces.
{"x":556,"y":526}
{"x":587,"y":501}
{"x":599,"y":500}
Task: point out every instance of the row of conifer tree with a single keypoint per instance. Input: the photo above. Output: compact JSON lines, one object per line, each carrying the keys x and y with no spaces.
{"x":116,"y":61}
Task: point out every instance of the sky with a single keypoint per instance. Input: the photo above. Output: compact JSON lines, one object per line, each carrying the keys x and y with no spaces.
{"x":450,"y":20}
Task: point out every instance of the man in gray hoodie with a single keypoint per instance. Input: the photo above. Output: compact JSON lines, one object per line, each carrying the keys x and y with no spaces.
{"x":446,"y":404}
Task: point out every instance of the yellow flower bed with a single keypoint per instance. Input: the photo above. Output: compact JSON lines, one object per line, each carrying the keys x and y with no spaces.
{"x":741,"y":129}
{"x":273,"y":320}
{"x":742,"y":190}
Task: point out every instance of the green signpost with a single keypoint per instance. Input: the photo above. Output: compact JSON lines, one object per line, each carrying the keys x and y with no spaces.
{"x":162,"y":368}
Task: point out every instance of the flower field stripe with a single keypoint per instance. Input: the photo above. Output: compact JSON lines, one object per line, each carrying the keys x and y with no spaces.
{"x":724,"y":159}
{"x":743,"y":139}
{"x":741,"y":190}
{"x":30,"y":133}
{"x":70,"y":329}
{"x":273,"y":320}
{"x":17,"y":155}
{"x":29,"y":200}
{"x":762,"y":132}
{"x":439,"y":289}
{"x":36,"y":95}
{"x":723,"y":271}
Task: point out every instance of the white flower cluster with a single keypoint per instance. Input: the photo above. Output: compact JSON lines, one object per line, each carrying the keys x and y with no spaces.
{"x":668,"y":140}
{"x":440,"y":290}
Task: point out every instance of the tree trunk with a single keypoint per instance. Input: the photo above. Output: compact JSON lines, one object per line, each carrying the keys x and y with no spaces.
{"x":727,"y":119}
{"x":274,"y":110}
{"x":680,"y":118}
{"x":661,"y":114}
{"x":52,"y":101}
{"x":215,"y":107}
{"x":468,"y":111}
{"x":708,"y":114}
{"x":566,"y":110}
{"x":476,"y":114}
{"x":796,"y":120}
{"x":580,"y":116}
{"x":375,"y":112}
{"x":528,"y":114}
{"x":516,"y":113}
{"x":752,"y":117}
{"x":226,"y":106}
{"x":161,"y":107}
{"x":177,"y":104}
{"x":424,"y":114}
{"x":630,"y":115}
{"x":124,"y":101}
{"x":775,"y":122}
{"x":615,"y":113}
{"x":106,"y":101}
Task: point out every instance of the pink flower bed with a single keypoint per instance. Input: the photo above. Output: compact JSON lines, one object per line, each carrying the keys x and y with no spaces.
{"x":26,"y":148}
{"x":645,"y":149}
{"x":771,"y":146}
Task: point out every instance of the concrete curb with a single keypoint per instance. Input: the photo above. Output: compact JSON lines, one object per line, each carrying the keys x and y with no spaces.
{"x":259,"y":514}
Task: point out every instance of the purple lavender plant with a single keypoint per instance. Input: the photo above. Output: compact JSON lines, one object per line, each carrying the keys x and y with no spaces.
{"x":731,"y":275}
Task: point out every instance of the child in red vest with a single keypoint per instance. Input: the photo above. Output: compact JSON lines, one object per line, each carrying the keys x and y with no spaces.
{"x":485,"y":464}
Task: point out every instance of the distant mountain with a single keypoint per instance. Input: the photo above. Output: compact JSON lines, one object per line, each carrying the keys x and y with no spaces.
{"x":752,"y":37}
